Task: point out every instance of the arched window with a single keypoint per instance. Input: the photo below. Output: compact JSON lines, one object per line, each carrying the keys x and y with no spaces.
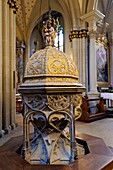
{"x":59,"y":40}
{"x":36,"y":41}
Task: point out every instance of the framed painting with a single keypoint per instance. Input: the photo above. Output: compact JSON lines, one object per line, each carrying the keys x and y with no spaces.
{"x":102,"y":64}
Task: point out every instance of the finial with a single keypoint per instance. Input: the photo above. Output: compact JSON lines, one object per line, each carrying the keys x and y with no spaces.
{"x":49,"y":30}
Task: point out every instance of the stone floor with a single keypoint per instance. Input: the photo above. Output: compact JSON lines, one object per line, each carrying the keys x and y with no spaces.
{"x":16,"y":132}
{"x":102,"y":128}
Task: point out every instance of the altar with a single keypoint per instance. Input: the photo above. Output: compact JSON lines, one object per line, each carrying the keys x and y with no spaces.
{"x":109,"y":99}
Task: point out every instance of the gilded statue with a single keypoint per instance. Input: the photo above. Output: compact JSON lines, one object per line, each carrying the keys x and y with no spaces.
{"x":49,"y":30}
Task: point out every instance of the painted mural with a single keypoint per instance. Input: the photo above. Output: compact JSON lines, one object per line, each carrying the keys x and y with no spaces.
{"x":102,"y":63}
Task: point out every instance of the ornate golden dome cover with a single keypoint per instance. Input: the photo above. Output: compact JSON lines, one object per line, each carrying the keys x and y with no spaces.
{"x":50,"y":65}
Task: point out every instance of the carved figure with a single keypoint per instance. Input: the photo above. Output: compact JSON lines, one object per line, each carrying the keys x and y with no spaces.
{"x":49,"y":30}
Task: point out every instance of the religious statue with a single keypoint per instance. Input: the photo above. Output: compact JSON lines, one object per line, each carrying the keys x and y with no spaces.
{"x":50,"y":27}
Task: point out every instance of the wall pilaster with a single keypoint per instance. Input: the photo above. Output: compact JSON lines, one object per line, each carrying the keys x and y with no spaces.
{"x":14,"y":72}
{"x":75,"y":51}
{"x":78,"y":39}
{"x":92,"y":62}
{"x":0,"y":67}
{"x":83,"y":55}
{"x":5,"y":75}
{"x":12,"y":66}
{"x":92,"y":19}
{"x":111,"y":59}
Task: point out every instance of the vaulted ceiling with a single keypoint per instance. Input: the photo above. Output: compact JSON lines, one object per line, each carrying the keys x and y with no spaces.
{"x":30,"y":10}
{"x":106,"y":7}
{"x":25,"y":8}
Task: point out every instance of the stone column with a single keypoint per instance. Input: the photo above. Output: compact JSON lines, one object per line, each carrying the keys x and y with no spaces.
{"x":92,"y":62}
{"x":80,"y":69}
{"x":67,"y":45}
{"x":12,"y":38}
{"x":0,"y":68}
{"x":75,"y":50}
{"x":75,"y":43}
{"x":111,"y":59}
{"x":14,"y":71}
{"x":84,"y":62}
{"x":92,"y":18}
{"x":5,"y":75}
{"x":82,"y":58}
{"x":79,"y":52}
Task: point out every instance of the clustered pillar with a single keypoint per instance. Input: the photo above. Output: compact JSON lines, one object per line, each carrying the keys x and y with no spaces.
{"x":0,"y":66}
{"x":7,"y":66}
{"x":111,"y":58}
{"x":78,"y":38}
{"x":92,"y":18}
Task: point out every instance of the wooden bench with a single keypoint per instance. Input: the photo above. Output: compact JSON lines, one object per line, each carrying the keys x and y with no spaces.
{"x":18,"y":103}
{"x":92,"y":109}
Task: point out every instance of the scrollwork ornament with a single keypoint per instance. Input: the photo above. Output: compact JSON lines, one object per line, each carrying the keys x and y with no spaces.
{"x":57,"y":66}
{"x":36,"y":102}
{"x":77,"y":105}
{"x":58,"y":101}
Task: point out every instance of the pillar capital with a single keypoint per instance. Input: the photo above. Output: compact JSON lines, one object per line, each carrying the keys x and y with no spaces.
{"x":78,"y":34}
{"x":94,"y":15}
{"x":92,"y":18}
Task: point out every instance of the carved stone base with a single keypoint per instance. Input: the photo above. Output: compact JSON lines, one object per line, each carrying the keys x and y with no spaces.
{"x":53,"y":118}
{"x":8,"y":130}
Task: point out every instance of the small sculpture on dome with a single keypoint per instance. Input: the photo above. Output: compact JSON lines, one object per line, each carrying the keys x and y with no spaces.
{"x":49,"y":30}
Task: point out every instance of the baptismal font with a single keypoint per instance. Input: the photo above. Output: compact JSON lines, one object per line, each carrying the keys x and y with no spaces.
{"x":52,"y":99}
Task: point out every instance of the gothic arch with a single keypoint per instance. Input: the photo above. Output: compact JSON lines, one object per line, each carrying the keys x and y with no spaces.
{"x":58,"y":6}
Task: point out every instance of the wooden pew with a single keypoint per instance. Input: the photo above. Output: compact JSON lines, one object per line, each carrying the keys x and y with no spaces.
{"x":92,"y":109}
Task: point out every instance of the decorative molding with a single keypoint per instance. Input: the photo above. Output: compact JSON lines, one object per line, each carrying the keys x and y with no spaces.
{"x":78,"y":34}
